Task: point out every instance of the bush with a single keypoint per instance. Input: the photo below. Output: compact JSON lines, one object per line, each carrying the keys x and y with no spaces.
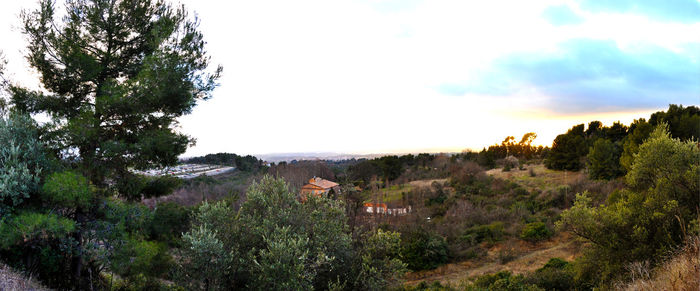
{"x":423,"y":250}
{"x":170,"y":220}
{"x":67,"y":189}
{"x":23,"y":161}
{"x":557,"y":274}
{"x":492,"y":232}
{"x":536,"y":231}
{"x":502,"y":281}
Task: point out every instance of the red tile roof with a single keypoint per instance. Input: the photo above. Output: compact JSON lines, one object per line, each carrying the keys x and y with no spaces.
{"x":323,"y":183}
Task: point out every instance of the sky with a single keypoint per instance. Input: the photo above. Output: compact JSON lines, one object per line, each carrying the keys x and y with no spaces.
{"x":424,"y":76}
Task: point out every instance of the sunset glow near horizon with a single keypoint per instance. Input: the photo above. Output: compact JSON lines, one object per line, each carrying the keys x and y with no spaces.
{"x":424,"y":76}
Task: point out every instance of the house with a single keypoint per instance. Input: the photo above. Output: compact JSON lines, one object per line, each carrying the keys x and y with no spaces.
{"x":376,"y":208}
{"x":320,"y":188}
{"x":382,"y":208}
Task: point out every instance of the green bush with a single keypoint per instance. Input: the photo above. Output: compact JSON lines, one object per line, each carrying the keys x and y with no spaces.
{"x":170,"y":220}
{"x":557,"y":274}
{"x":502,"y":281}
{"x":23,"y":161}
{"x":25,"y":227}
{"x":492,"y":232}
{"x":536,"y":231}
{"x":423,"y":250}
{"x":67,"y":189}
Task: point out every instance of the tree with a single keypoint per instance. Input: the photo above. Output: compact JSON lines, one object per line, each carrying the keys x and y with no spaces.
{"x":567,"y":151}
{"x":640,"y":130}
{"x":276,"y":242}
{"x":647,"y":220}
{"x":603,"y":160}
{"x":683,"y":122}
{"x":117,"y":74}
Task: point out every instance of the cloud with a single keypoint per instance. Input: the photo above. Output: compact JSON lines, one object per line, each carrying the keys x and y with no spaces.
{"x":561,"y":15}
{"x":585,"y":75}
{"x":667,"y":10}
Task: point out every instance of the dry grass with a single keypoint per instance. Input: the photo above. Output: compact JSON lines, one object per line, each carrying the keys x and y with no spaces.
{"x":426,"y":183}
{"x":528,"y":258}
{"x":11,"y":281}
{"x":544,"y":178}
{"x":680,"y":273}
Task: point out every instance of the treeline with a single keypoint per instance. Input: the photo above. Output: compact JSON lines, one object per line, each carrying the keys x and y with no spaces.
{"x":246,"y":163}
{"x":493,"y":155}
{"x":608,"y":151}
{"x":388,"y":168}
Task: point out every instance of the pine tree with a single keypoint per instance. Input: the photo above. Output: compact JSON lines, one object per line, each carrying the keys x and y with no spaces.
{"x":116,"y":76}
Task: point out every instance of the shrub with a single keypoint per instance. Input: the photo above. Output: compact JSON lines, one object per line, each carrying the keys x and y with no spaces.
{"x":22,"y":161}
{"x":557,"y":274}
{"x":502,"y":281}
{"x":492,"y":232}
{"x":170,"y":220}
{"x":536,"y":231}
{"x":67,"y":189}
{"x":423,"y":250}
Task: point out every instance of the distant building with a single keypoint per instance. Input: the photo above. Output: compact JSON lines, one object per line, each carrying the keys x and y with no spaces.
{"x":320,"y":188}
{"x":382,"y":208}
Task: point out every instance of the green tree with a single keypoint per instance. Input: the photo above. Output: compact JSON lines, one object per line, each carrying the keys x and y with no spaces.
{"x":280,"y":243}
{"x":647,"y":220}
{"x":683,"y":122}
{"x":640,"y":130}
{"x":204,"y":261}
{"x":567,"y":151}
{"x":380,"y":261}
{"x":603,"y":160}
{"x":117,"y":74}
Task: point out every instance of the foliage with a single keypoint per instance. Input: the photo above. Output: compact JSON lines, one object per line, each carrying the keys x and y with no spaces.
{"x":639,"y":131}
{"x":502,"y":281}
{"x":116,"y":75}
{"x":244,"y":163}
{"x":509,"y":147}
{"x":23,"y":161}
{"x":160,"y":186}
{"x":30,"y":226}
{"x":491,"y":233}
{"x":536,"y":231}
{"x":170,"y":220}
{"x":604,"y":160}
{"x":67,"y":189}
{"x":141,"y":259}
{"x":204,"y":261}
{"x":423,"y":250}
{"x":557,"y":274}
{"x":280,"y":243}
{"x":381,"y":264}
{"x":643,"y":222}
{"x":567,"y":151}
{"x":683,"y":122}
